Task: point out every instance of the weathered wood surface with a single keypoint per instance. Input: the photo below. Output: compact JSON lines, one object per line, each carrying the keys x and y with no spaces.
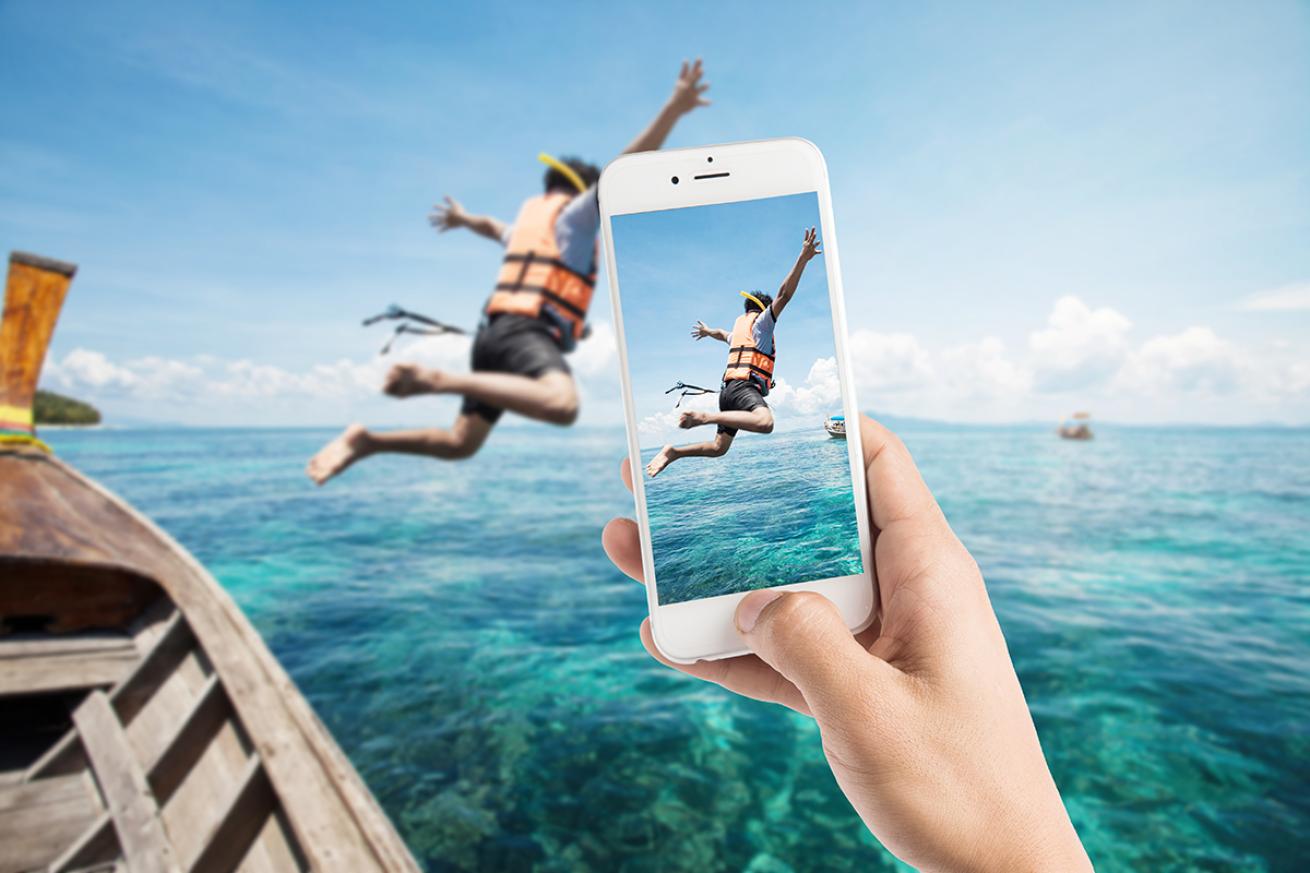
{"x":49,"y":512}
{"x":38,"y":819}
{"x":41,"y":666}
{"x":223,"y":847}
{"x":123,"y":784}
{"x":60,"y":598}
{"x":90,"y":850}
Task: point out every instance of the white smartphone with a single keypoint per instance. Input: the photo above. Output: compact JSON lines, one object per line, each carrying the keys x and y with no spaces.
{"x":736,"y":386}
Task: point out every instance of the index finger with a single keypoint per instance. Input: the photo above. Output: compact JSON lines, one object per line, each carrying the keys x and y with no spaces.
{"x":897,"y":493}
{"x":625,"y":473}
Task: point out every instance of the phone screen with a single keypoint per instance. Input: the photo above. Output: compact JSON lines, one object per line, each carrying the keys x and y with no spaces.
{"x":739,"y":399}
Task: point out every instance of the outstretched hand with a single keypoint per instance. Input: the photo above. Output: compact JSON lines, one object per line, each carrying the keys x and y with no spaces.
{"x":689,"y":90}
{"x":922,"y":717}
{"x":700,"y":330}
{"x":447,"y":215}
{"x":812,"y":246}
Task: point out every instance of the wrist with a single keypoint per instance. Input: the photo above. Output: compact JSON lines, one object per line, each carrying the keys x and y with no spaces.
{"x":1037,"y":849}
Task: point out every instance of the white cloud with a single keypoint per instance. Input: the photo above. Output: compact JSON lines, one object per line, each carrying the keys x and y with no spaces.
{"x":91,"y":369}
{"x":1079,"y":347}
{"x":1195,"y":361}
{"x":1288,"y":298}
{"x":819,"y":393}
{"x":983,"y":370}
{"x":889,"y":363}
{"x":598,"y":354}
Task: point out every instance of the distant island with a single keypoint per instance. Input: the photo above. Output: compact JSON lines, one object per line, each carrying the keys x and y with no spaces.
{"x":52,"y":408}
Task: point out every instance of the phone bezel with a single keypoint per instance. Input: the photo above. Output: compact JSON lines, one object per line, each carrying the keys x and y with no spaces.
{"x":698,"y":630}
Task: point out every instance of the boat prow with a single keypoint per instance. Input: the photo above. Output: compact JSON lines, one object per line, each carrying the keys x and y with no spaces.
{"x":144,"y":725}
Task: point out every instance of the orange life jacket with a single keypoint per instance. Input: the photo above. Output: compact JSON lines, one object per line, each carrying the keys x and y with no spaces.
{"x":533,"y":278}
{"x":745,"y":361}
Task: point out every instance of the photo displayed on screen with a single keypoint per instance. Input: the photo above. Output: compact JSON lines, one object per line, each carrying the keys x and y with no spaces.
{"x":738,"y":396}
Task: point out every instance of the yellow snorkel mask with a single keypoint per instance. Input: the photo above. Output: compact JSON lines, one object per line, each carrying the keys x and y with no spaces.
{"x":751,"y":297}
{"x":569,"y":173}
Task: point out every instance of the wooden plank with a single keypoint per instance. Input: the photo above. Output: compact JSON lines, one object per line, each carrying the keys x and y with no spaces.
{"x":208,"y":713}
{"x":123,"y":784}
{"x":39,"y":819}
{"x":24,"y":645}
{"x":128,"y":697}
{"x":244,"y":817}
{"x":174,"y":645}
{"x":96,"y":847}
{"x":274,"y":850}
{"x":41,"y":674}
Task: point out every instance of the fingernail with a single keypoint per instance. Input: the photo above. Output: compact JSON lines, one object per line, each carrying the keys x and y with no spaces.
{"x":748,"y":611}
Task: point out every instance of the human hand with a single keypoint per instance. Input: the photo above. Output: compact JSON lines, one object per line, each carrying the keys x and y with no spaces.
{"x":700,"y":330}
{"x":922,"y":717}
{"x":689,"y":91}
{"x":448,"y":215}
{"x":811,"y":246}
{"x":407,"y":380}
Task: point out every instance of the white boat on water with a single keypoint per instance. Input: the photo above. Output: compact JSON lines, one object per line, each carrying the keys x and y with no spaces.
{"x":836,"y":426}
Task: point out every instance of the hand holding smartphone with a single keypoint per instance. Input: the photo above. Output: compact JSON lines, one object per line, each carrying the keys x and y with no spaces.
{"x":748,"y":477}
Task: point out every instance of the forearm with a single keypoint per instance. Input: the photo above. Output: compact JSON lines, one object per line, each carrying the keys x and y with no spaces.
{"x":485,"y":225}
{"x":789,"y":284}
{"x":721,"y":335}
{"x":657,"y":131}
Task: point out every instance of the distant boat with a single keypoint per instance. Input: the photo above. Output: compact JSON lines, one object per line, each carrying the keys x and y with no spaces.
{"x":836,"y":426}
{"x":1076,"y":427}
{"x":146,"y":725}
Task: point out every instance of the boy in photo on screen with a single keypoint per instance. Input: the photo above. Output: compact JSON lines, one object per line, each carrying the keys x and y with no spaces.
{"x":748,"y":376}
{"x":779,"y":508}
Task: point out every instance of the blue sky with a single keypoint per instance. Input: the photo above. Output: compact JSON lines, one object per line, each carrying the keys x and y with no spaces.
{"x":679,"y":266}
{"x":1040,"y":207}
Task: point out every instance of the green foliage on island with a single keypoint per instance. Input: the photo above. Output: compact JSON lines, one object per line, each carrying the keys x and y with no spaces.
{"x":52,"y":408}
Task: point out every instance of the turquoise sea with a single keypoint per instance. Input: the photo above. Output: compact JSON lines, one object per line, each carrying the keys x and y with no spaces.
{"x":776,"y":509}
{"x":459,"y":629}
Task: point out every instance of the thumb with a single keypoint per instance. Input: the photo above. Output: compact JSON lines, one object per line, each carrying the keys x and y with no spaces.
{"x":802,"y":636}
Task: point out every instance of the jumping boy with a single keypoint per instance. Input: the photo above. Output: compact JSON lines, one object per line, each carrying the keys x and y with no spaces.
{"x":748,"y":377}
{"x":535,"y":315}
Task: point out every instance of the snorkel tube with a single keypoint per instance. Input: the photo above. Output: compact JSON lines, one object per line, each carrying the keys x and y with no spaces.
{"x":568,"y":172}
{"x":752,"y":298}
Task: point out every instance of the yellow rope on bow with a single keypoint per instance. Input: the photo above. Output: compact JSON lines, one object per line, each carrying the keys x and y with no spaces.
{"x":23,"y":439}
{"x":569,"y":172}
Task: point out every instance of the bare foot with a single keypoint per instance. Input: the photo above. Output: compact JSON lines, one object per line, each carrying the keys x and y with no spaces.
{"x":346,"y":449}
{"x":660,"y":461}
{"x":407,"y":380}
{"x":691,"y":418}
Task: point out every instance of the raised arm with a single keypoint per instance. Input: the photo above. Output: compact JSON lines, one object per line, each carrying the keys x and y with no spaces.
{"x":809,"y":249}
{"x":700,"y":330}
{"x":450,"y":214}
{"x":688,"y":93}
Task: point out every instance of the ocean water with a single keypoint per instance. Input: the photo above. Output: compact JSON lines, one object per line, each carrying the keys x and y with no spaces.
{"x":776,"y":509}
{"x":460,"y":631}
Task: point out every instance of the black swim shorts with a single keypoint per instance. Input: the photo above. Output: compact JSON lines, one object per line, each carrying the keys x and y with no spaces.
{"x":509,"y":343}
{"x":742,"y":395}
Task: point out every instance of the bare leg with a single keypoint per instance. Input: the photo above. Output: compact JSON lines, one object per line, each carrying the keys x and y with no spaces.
{"x":714,"y":449}
{"x":461,"y":440}
{"x":758,"y":420}
{"x":549,"y":397}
